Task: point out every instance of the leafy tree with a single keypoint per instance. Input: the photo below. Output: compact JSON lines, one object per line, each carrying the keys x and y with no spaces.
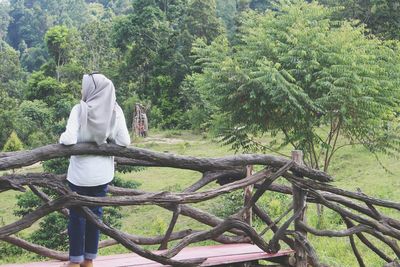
{"x":7,"y":115}
{"x":382,"y":17}
{"x":201,"y":21}
{"x":4,"y":19}
{"x":71,"y":13}
{"x":261,"y":5}
{"x":298,"y":73}
{"x":157,"y":41}
{"x":13,"y":143}
{"x":28,"y":23}
{"x":120,"y":7}
{"x":11,"y":73}
{"x":144,"y":39}
{"x":62,"y":43}
{"x":226,"y":10}
{"x":32,"y":117}
{"x":100,"y":56}
{"x":33,"y":58}
{"x":44,"y":88}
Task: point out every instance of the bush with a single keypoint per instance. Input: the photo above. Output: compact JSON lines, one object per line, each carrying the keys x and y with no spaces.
{"x":26,"y":203}
{"x":126,"y":184}
{"x":229,"y":204}
{"x":56,"y":166}
{"x":38,"y":138}
{"x":7,"y":249}
{"x":13,"y":143}
{"x":52,"y":232}
{"x":275,"y":203}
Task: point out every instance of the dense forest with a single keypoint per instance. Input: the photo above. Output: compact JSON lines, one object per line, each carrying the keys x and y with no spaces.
{"x":238,"y":68}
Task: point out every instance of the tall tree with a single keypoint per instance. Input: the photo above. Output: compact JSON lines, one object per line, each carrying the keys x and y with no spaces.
{"x":62,"y":44}
{"x":28,"y":24}
{"x":11,"y":73}
{"x":141,"y":36}
{"x":382,"y":17}
{"x":297,"y":72}
{"x":4,"y":19}
{"x":98,"y":55}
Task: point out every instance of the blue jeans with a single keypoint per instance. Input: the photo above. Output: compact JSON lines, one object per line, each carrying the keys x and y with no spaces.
{"x":83,"y":235}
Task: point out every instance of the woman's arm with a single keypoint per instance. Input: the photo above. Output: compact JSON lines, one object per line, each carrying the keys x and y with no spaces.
{"x":122,"y":137}
{"x":70,"y":136}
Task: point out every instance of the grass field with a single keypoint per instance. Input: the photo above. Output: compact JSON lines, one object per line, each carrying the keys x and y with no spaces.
{"x":352,"y":168}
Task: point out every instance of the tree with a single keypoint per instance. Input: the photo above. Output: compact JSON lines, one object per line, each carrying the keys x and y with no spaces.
{"x":100,"y":56}
{"x":7,"y":115}
{"x":5,"y":19}
{"x":61,"y":43}
{"x":201,"y":21}
{"x":33,"y":58}
{"x":11,"y":73}
{"x":382,"y":17}
{"x":32,"y":118}
{"x":13,"y":143}
{"x":44,"y":88}
{"x":28,"y":24}
{"x":298,"y":73}
{"x":156,"y":41}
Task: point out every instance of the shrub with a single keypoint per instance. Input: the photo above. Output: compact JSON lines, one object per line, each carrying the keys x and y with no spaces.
{"x":13,"y":143}
{"x":228,"y":204}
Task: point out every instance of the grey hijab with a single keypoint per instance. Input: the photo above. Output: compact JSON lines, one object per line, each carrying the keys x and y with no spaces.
{"x":97,"y":107}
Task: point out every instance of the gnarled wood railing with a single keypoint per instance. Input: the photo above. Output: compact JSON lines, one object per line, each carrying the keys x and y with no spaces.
{"x":357,"y":209}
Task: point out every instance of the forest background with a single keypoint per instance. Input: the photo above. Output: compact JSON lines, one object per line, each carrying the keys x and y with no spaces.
{"x":161,"y":53}
{"x":317,"y":76}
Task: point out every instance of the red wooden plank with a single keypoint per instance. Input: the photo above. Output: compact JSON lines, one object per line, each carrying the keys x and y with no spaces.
{"x":218,"y":254}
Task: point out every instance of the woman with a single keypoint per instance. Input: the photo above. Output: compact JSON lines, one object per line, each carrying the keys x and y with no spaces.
{"x":98,"y":118}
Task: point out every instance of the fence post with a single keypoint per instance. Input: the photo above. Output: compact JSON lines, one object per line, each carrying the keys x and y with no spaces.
{"x":299,"y":201}
{"x":248,"y":192}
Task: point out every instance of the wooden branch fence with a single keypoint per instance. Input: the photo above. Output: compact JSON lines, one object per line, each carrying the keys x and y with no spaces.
{"x":360,"y":216}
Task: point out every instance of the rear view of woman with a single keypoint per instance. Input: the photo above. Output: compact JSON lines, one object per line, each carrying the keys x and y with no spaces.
{"x":98,"y":118}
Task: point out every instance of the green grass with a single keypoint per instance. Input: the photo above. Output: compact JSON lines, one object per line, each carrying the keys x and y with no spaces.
{"x":353,"y":167}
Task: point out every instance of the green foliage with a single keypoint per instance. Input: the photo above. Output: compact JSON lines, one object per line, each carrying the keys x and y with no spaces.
{"x":26,"y":203}
{"x":275,"y":203}
{"x":297,"y":71}
{"x":159,"y":225}
{"x":33,"y":117}
{"x":7,"y":249}
{"x":31,"y":19}
{"x":58,"y":40}
{"x":156,"y":41}
{"x":95,"y":55}
{"x":13,"y":143}
{"x":380,"y":16}
{"x":44,"y":236}
{"x":228,"y":204}
{"x":7,"y":115}
{"x":117,"y":181}
{"x":56,"y":166}
{"x":33,"y":58}
{"x":5,"y":19}
{"x":44,"y":88}
{"x":11,"y":72}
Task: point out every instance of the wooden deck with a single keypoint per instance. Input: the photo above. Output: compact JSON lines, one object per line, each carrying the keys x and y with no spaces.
{"x":216,"y":255}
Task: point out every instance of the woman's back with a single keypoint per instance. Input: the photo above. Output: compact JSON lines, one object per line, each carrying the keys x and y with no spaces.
{"x":90,"y":170}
